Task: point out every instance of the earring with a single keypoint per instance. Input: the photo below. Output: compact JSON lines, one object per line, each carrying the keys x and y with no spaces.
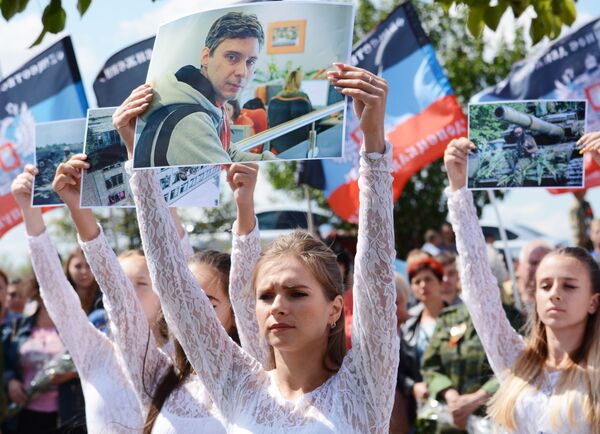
{"x":332,"y":325}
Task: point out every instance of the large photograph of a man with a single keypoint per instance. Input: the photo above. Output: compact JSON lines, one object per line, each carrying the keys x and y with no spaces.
{"x":221,"y":98}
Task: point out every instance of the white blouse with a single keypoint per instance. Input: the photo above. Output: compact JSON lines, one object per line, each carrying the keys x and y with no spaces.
{"x":359,"y":398}
{"x":110,"y":403}
{"x":501,"y":342}
{"x":188,"y":409}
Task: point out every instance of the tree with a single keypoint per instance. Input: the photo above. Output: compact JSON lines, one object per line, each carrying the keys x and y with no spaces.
{"x":119,"y":225}
{"x":422,"y":205}
{"x":550,"y":15}
{"x":54,"y":16}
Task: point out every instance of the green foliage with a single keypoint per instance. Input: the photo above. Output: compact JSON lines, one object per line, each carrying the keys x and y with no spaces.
{"x":83,"y":5}
{"x":484,"y":126}
{"x":216,"y":219}
{"x":11,"y":8}
{"x":550,"y":15}
{"x":119,"y":225}
{"x":53,"y":19}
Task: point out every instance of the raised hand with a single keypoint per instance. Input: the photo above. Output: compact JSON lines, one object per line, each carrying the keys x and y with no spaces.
{"x":462,"y":406}
{"x":126,"y":114}
{"x":17,"y":392}
{"x":242,"y":181}
{"x":455,"y":160}
{"x":590,"y":142}
{"x":22,"y":187}
{"x":369,"y":94}
{"x":67,"y":181}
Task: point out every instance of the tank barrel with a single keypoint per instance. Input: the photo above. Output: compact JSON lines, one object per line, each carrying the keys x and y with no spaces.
{"x":528,"y":121}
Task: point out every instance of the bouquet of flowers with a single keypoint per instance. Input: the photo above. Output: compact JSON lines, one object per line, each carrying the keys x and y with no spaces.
{"x":433,"y":415}
{"x":60,"y":364}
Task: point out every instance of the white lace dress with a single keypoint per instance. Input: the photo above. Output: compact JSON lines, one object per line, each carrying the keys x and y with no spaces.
{"x":110,"y":403}
{"x":245,"y":252}
{"x":188,"y":409}
{"x":501,"y":342}
{"x":359,"y":398}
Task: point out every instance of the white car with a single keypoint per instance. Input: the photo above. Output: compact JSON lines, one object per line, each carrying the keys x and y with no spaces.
{"x":273,"y":222}
{"x":519,"y":235}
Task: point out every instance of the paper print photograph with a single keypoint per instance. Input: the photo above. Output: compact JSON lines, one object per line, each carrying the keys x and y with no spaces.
{"x":106,"y":182}
{"x":55,"y":143}
{"x":249,"y":84}
{"x":526,"y":144}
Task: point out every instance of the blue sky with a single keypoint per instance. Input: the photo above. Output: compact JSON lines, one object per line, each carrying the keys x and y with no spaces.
{"x":110,"y":25}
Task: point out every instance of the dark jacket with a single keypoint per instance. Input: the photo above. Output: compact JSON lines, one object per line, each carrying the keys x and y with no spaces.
{"x":284,"y":107}
{"x":71,"y":404}
{"x":408,"y":374}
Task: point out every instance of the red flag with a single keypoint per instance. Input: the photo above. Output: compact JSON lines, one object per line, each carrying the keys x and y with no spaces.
{"x":422,"y":113}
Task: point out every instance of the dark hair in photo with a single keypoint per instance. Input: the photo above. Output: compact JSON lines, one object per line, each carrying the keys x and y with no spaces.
{"x":236,"y":108}
{"x":254,"y":103}
{"x":234,"y":25}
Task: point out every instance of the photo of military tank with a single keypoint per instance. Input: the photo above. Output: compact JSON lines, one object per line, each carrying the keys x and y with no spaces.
{"x":526,"y":144}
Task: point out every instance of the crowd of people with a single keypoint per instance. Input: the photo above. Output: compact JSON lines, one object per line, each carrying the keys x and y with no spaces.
{"x":299,"y":337}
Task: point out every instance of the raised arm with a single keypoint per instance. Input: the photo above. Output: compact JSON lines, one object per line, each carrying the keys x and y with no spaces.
{"x":245,"y":251}
{"x":373,"y":359}
{"x":131,"y":332}
{"x":480,"y":291}
{"x":80,"y":337}
{"x":217,"y":360}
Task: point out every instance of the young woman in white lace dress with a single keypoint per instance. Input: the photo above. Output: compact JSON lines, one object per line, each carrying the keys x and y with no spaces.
{"x":110,"y":403}
{"x":172,"y":398}
{"x":309,"y":386}
{"x":550,"y":381}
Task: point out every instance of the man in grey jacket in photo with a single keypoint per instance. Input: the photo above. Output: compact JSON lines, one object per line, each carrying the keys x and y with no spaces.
{"x":186,"y":123}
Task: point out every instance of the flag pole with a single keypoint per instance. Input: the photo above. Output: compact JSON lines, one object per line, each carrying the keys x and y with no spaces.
{"x":309,"y":214}
{"x":509,"y":259}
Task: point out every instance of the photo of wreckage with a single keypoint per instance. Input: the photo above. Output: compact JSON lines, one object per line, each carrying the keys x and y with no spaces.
{"x":526,"y":144}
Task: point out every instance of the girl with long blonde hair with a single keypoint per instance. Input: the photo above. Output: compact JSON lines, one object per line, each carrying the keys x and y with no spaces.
{"x":549,"y":381}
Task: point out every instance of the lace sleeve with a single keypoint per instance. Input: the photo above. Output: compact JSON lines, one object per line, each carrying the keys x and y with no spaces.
{"x":372,"y":363}
{"x":480,"y":291}
{"x":245,"y":251}
{"x":218,"y":361}
{"x":80,"y":337}
{"x":186,"y":246}
{"x":144,"y":362}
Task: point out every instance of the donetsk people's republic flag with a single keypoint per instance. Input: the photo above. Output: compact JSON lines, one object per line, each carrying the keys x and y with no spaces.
{"x":123,"y":72}
{"x":47,"y":88}
{"x":568,"y":69}
{"x":422,"y":113}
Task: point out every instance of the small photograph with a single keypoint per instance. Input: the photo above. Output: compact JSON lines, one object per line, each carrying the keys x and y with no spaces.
{"x":526,"y":144}
{"x":248,"y":84}
{"x":55,"y":143}
{"x":106,"y":183}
